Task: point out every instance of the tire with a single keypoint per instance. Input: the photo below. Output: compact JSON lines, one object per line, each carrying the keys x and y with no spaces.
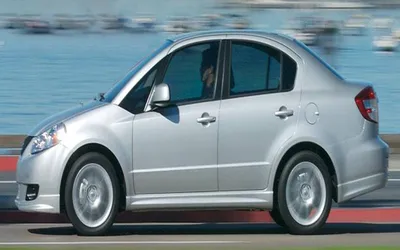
{"x":276,"y":216}
{"x":295,"y":184}
{"x":82,"y":187}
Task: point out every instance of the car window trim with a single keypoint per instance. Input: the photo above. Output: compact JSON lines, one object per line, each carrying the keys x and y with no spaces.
{"x":160,"y":67}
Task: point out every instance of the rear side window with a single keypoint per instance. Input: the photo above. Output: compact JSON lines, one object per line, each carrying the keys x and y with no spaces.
{"x":289,"y":72}
{"x":256,"y":68}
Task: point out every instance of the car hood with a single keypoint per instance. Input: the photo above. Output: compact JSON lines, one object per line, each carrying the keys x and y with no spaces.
{"x":65,"y":115}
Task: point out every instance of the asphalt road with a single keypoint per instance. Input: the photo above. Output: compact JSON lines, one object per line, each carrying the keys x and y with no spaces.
{"x":239,"y":236}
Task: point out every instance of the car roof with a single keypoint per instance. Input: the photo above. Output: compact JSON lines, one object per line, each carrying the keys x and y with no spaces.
{"x":250,"y":32}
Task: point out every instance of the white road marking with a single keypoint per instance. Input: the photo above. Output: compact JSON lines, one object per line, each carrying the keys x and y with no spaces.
{"x":8,"y":182}
{"x":393,"y":179}
{"x":118,"y":242}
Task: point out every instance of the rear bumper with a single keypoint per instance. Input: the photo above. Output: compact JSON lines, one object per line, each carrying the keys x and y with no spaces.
{"x":362,"y":186}
{"x":361,"y":168}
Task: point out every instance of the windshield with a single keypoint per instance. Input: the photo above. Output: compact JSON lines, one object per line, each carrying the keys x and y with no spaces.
{"x":118,"y":86}
{"x":320,"y":59}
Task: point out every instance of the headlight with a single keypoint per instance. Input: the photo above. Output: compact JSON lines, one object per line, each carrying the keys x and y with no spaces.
{"x":49,"y":138}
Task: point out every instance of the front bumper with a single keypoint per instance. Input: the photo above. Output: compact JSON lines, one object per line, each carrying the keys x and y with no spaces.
{"x":45,"y":170}
{"x":43,"y":203}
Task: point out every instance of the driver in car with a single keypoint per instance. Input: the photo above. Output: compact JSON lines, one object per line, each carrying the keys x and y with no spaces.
{"x":208,"y":71}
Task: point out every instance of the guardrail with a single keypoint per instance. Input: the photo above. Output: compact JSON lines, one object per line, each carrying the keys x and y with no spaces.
{"x":393,"y":140}
{"x":11,"y":141}
{"x":15,"y":141}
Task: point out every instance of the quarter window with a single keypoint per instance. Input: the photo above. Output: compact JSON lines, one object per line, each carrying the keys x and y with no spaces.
{"x":192,"y":73}
{"x":136,"y":99}
{"x":256,"y":68}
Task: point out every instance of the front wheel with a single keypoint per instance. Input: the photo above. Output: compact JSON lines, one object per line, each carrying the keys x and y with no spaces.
{"x":276,"y":216}
{"x":92,"y":194}
{"x":304,"y":193}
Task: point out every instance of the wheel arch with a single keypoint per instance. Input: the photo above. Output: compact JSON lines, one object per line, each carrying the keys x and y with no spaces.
{"x":310,"y":146}
{"x":99,"y":148}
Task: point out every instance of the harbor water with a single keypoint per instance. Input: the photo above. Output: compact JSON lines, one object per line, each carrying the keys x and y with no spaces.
{"x":44,"y":74}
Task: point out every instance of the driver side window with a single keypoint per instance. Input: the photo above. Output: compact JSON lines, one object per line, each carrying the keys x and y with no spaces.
{"x":192,"y":73}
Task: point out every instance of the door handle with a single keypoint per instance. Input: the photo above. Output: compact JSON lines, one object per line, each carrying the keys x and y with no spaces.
{"x":206,"y":118}
{"x":283,"y":113}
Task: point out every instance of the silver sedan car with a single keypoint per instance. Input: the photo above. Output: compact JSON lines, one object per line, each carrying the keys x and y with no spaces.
{"x":210,"y":120}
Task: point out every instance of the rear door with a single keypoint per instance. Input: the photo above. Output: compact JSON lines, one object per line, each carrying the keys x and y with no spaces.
{"x":259,"y":110}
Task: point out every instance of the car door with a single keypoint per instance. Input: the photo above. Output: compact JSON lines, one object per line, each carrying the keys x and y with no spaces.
{"x":259,"y":110}
{"x":175,"y":147}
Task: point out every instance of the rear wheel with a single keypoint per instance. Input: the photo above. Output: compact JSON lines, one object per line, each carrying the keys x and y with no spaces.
{"x":92,"y":194}
{"x":304,"y":193}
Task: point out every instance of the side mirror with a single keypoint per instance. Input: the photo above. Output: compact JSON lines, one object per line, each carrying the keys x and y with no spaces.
{"x":161,"y":96}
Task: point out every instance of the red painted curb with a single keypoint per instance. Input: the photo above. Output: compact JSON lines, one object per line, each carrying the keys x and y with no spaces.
{"x":337,"y":215}
{"x":8,"y":163}
{"x":377,"y":215}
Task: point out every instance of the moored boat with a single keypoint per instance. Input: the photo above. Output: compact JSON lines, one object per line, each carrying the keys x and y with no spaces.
{"x":37,"y":27}
{"x":385,"y":43}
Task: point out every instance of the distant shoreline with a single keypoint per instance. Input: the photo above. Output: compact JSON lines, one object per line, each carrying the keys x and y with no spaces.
{"x":280,"y":6}
{"x":338,"y":5}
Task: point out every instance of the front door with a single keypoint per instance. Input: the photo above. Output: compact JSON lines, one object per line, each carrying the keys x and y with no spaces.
{"x":175,"y":148}
{"x":259,"y":110}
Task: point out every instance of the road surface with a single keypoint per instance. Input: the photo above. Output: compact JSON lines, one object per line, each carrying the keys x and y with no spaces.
{"x":239,"y":236}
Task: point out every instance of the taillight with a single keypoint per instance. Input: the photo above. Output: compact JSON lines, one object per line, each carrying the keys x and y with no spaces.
{"x":367,"y":103}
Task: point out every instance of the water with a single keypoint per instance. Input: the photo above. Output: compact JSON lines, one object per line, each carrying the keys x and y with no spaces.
{"x":44,"y":74}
